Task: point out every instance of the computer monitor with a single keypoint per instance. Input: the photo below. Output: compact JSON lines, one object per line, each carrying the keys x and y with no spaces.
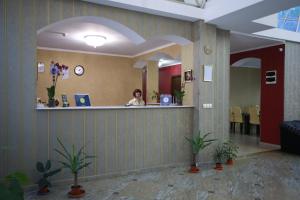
{"x":82,"y":100}
{"x":165,"y":99}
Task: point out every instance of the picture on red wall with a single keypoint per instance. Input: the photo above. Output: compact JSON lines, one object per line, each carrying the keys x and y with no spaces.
{"x":188,"y":76}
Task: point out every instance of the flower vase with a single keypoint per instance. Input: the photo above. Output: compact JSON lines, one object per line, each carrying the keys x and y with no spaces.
{"x":178,"y":101}
{"x":51,"y":103}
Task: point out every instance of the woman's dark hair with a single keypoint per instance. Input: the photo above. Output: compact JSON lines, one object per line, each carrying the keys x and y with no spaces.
{"x":136,"y":91}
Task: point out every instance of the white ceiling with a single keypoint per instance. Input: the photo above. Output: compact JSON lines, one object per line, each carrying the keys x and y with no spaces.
{"x":72,"y":32}
{"x":242,"y":42}
{"x":239,"y":17}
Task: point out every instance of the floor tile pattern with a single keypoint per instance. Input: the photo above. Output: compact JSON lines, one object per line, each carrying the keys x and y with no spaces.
{"x":265,"y":176}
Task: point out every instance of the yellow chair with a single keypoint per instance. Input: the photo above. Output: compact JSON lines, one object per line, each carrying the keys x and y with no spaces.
{"x":246,"y":109}
{"x":254,"y":117}
{"x":236,"y":117}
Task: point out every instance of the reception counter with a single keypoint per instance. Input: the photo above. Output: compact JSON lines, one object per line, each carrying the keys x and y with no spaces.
{"x":111,"y":107}
{"x":122,"y":138}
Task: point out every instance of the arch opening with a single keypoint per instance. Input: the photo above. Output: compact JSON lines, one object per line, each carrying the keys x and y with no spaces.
{"x":249,"y":62}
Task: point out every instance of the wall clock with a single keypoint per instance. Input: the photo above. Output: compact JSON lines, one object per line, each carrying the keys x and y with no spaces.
{"x":207,"y":50}
{"x":79,"y":70}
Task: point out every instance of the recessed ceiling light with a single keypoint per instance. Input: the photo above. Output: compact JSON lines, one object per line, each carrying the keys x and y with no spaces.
{"x":94,"y":40}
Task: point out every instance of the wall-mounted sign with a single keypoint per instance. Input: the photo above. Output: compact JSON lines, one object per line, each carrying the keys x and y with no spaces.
{"x":41,"y":67}
{"x":271,"y":77}
{"x":207,"y":73}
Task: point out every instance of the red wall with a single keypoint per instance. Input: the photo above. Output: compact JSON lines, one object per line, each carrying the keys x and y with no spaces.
{"x":272,"y":96}
{"x":165,"y":78}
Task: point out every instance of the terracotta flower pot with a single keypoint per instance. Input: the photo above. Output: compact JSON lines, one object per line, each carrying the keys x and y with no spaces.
{"x":219,"y":166}
{"x":194,"y":169}
{"x":43,"y":191}
{"x":76,"y":192}
{"x":229,"y":162}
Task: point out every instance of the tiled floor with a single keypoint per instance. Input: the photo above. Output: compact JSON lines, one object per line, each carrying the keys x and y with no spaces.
{"x":250,"y":144}
{"x":265,"y":176}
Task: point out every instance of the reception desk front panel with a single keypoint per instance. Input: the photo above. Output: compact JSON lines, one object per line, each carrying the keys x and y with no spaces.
{"x":122,"y":139}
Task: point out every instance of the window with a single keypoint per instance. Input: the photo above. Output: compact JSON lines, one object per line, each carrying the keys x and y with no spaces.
{"x":289,"y":19}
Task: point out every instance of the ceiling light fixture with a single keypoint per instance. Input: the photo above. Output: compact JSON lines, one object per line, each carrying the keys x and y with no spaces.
{"x":94,"y":40}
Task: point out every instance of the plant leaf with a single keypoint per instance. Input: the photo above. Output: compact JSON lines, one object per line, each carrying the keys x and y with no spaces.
{"x":65,"y":149}
{"x":51,"y":173}
{"x":17,"y":176}
{"x":83,"y":166}
{"x":66,"y":165}
{"x":40,"y":167}
{"x":48,"y":165}
{"x":62,"y":154}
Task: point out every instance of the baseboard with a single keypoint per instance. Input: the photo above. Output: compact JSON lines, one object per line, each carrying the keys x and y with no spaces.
{"x":270,"y":145}
{"x":69,"y":181}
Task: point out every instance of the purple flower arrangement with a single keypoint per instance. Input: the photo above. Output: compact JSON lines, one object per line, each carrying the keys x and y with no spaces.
{"x":55,"y":70}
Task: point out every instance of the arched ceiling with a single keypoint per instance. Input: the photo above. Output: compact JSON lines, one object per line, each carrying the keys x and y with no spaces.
{"x":68,"y":35}
{"x":248,"y":62}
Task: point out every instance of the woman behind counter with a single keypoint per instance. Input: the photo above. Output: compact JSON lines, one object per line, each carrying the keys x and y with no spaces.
{"x":137,"y":100}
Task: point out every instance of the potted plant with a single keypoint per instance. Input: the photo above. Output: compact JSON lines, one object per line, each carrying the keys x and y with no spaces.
{"x":179,"y":96}
{"x":156,"y":96}
{"x":74,"y":161}
{"x":11,"y":187}
{"x":55,"y":70}
{"x":231,"y":151}
{"x":198,"y":143}
{"x":45,"y":170}
{"x":220,"y":156}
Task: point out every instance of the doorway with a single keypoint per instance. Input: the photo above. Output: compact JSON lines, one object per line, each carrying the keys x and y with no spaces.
{"x":175,"y":84}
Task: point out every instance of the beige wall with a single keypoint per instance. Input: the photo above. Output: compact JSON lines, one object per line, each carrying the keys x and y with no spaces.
{"x":108,"y":80}
{"x":152,"y":80}
{"x":173,"y":51}
{"x":244,"y":86}
{"x":187,"y":64}
{"x":214,"y":120}
{"x":22,"y":127}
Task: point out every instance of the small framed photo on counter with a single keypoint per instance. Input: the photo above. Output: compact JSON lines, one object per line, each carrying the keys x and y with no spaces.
{"x":188,"y":76}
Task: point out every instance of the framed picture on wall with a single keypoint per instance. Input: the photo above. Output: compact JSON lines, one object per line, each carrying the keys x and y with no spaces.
{"x":188,"y":76}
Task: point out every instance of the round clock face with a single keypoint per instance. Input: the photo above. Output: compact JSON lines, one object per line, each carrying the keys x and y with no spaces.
{"x":79,"y":70}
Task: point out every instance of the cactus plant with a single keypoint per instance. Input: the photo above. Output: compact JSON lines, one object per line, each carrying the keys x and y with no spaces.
{"x":43,"y":182}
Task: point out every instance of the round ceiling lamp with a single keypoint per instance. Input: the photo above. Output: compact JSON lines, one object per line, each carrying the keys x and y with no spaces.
{"x":94,"y":40}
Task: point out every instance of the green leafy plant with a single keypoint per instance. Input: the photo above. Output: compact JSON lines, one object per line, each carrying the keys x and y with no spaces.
{"x":11,"y":187}
{"x":231,"y":150}
{"x":220,"y":153}
{"x":45,"y":170}
{"x":155,"y":95}
{"x":198,"y":143}
{"x":75,"y":161}
{"x":179,"y":96}
{"x":55,"y":69}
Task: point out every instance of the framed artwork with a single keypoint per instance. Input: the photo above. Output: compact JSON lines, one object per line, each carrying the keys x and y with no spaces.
{"x":188,"y":76}
{"x":207,"y":73}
